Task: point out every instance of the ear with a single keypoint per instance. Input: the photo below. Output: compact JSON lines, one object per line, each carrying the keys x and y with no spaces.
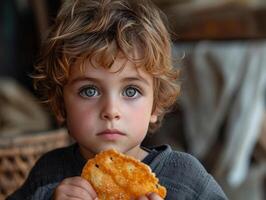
{"x":154,"y":115}
{"x":60,"y":120}
{"x":154,"y":118}
{"x":60,"y":113}
{"x":60,"y":117}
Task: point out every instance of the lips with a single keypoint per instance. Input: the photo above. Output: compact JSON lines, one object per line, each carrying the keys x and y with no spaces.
{"x":111,"y":134}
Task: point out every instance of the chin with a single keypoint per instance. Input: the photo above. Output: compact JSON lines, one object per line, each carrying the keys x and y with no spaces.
{"x":107,"y":147}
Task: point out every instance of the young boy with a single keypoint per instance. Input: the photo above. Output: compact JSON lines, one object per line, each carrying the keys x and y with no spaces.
{"x":106,"y":72}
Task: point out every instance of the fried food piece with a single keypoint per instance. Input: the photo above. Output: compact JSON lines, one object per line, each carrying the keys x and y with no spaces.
{"x":115,"y":176}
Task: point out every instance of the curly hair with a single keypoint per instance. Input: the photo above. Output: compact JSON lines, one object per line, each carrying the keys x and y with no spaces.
{"x":96,"y":29}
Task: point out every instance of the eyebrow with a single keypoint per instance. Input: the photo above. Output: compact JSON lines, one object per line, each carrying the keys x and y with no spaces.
{"x":92,"y":79}
{"x":138,"y":78}
{"x":83,"y":78}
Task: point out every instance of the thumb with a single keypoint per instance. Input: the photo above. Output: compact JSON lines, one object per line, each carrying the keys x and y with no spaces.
{"x":154,"y":196}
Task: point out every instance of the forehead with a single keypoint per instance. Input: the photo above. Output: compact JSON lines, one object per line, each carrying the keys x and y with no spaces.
{"x":110,"y":59}
{"x":120,"y":67}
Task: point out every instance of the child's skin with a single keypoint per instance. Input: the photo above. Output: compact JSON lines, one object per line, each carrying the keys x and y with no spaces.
{"x":106,"y":108}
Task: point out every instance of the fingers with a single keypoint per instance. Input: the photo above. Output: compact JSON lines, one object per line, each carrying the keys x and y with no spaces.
{"x":74,"y":188}
{"x":154,"y":196}
{"x":151,"y":196}
{"x":143,"y":198}
{"x":81,"y":183}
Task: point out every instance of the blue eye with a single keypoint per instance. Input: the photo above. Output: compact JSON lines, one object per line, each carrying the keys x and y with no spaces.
{"x":89,"y":91}
{"x":131,"y":92}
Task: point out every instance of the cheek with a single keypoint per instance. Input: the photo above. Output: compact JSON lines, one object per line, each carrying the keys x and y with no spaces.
{"x":79,"y":120}
{"x":140,"y":114}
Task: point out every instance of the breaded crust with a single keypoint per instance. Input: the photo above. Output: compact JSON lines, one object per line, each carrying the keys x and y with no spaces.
{"x":116,"y":176}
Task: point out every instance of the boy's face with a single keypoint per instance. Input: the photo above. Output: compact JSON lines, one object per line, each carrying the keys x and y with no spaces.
{"x":109,"y":108}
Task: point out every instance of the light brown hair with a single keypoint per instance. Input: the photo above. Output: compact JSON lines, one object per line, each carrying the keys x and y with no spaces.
{"x":99,"y":29}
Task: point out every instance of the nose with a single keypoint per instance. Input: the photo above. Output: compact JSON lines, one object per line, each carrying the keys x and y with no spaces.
{"x":110,"y":109}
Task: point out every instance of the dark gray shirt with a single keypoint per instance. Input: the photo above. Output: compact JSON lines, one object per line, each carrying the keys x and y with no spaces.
{"x":182,"y":174}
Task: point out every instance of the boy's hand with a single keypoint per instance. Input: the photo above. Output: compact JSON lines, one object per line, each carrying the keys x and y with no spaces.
{"x":74,"y":188}
{"x":152,"y":196}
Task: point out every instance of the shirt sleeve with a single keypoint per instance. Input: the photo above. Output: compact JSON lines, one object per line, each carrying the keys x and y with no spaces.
{"x":186,"y":178}
{"x":212,"y":191}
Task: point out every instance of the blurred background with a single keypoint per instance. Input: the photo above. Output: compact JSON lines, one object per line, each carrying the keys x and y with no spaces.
{"x":220,"y":117}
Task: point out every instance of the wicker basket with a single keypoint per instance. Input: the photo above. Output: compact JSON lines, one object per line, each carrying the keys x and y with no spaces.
{"x":18,"y":155}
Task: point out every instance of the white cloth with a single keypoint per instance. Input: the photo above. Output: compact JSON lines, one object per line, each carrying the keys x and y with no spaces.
{"x":224,"y":81}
